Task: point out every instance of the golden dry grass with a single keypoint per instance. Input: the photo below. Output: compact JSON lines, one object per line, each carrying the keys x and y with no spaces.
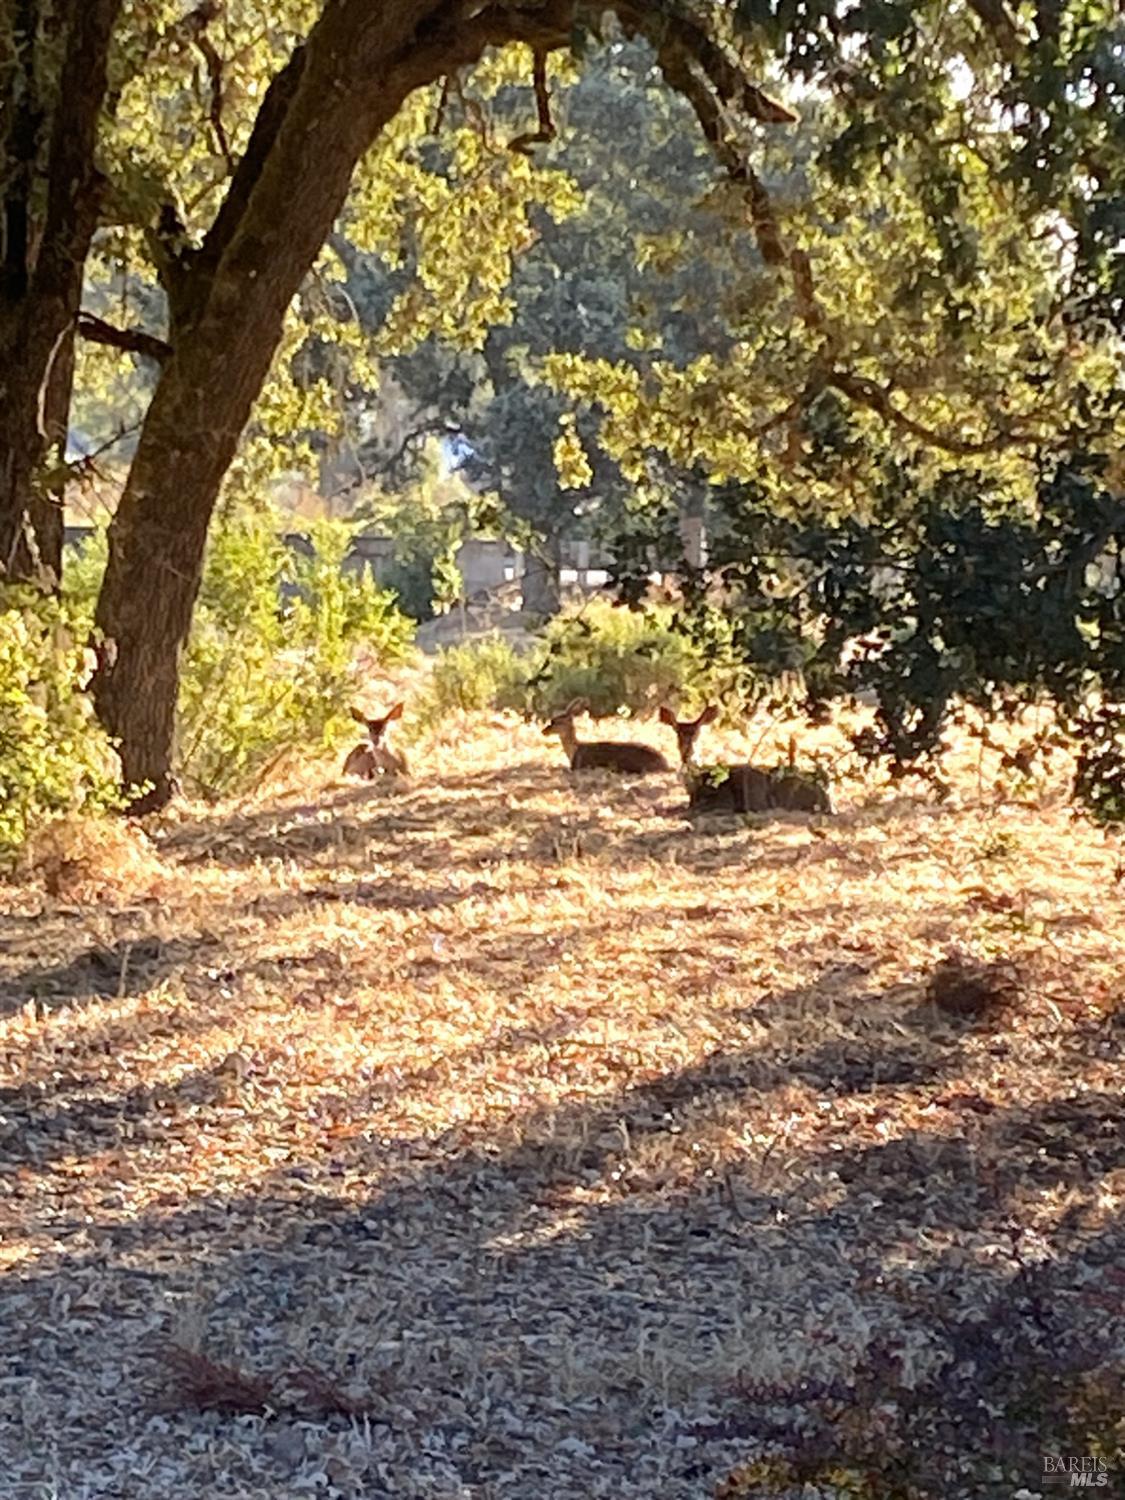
{"x":536,"y":1115}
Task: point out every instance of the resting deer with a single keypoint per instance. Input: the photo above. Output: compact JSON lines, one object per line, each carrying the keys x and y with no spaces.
{"x":373,"y":755}
{"x":606,"y":755}
{"x":742,"y":788}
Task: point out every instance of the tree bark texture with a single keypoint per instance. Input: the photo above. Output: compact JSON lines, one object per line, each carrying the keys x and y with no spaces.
{"x":541,"y":584}
{"x":41,"y":268}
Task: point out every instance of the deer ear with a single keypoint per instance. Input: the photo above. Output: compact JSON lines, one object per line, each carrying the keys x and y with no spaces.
{"x":709,"y":714}
{"x":667,"y":716}
{"x":575,"y":706}
{"x":395,"y":713}
{"x":358,"y":717}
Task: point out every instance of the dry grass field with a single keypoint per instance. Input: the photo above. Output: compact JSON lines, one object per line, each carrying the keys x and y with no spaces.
{"x":502,"y":1134}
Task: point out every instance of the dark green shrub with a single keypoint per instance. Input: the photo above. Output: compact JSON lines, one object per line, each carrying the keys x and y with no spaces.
{"x":621,"y":659}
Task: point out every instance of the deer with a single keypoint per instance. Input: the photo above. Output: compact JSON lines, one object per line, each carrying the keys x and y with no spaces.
{"x":742,"y":788}
{"x":373,"y":755}
{"x":606,"y":755}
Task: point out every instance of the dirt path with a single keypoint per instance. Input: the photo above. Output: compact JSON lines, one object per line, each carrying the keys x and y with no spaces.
{"x":490,"y":1137}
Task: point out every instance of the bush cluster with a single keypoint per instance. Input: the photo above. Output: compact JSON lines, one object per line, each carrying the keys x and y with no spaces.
{"x":278,"y":643}
{"x":619,"y":660}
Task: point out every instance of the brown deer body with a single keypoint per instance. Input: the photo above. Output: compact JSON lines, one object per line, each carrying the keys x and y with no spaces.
{"x":742,"y":788}
{"x":605,"y":755}
{"x":373,"y":756}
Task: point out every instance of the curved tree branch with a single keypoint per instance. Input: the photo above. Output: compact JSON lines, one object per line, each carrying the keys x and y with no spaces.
{"x":698,"y":69}
{"x":671,"y":32}
{"x":692,"y":62}
{"x":999,"y":24}
{"x":275,"y":105}
{"x":878,"y":400}
{"x":196,"y":24}
{"x":546,"y":131}
{"x":96,"y":330}
{"x":388,"y":464}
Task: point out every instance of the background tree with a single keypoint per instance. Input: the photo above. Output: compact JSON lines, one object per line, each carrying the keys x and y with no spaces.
{"x":642,"y":263}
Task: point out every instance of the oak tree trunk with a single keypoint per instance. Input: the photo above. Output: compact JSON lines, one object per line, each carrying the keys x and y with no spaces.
{"x":51,"y":191}
{"x":33,"y":429}
{"x":541,"y":585}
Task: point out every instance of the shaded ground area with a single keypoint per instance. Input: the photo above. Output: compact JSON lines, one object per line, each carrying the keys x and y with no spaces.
{"x":505,"y":1135}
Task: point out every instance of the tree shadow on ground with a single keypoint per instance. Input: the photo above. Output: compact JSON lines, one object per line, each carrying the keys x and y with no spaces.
{"x":890,"y":1269}
{"x":87,"y":1123}
{"x":141,"y":960}
{"x":514,"y":961}
{"x":130,"y":965}
{"x":658,"y":1259}
{"x":301,"y":826}
{"x":465,"y":821}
